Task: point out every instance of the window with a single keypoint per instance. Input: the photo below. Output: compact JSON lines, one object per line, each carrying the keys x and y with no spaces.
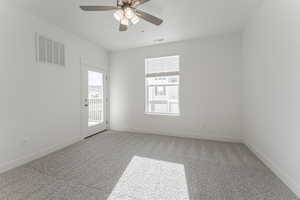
{"x":162,"y":85}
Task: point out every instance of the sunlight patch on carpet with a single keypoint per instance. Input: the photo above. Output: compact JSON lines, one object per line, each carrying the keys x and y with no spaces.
{"x":151,"y":179}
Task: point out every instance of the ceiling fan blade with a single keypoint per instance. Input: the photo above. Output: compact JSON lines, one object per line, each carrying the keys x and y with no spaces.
{"x":97,"y":8}
{"x":139,"y":2}
{"x":123,"y":27}
{"x":149,"y":18}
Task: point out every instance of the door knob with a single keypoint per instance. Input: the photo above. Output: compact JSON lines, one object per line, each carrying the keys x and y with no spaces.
{"x":86,"y":104}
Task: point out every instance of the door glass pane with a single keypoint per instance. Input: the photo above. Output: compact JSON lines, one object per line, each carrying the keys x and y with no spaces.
{"x":95,"y":98}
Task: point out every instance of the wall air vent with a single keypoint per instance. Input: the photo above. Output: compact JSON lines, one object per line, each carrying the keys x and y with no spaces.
{"x":49,"y":51}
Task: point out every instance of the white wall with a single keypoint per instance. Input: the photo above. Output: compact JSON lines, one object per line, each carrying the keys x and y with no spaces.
{"x":271,"y":95}
{"x":209,"y":91}
{"x":39,"y":103}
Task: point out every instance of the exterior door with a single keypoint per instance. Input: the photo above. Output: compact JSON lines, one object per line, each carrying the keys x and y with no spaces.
{"x":93,"y":101}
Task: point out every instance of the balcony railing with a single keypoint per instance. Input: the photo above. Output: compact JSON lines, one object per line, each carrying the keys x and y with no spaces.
{"x":95,"y":111}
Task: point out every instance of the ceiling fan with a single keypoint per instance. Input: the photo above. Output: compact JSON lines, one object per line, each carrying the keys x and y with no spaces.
{"x":126,"y":12}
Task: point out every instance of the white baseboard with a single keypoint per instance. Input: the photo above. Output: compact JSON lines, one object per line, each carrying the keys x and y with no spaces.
{"x":28,"y":158}
{"x":277,"y":170}
{"x":187,"y":135}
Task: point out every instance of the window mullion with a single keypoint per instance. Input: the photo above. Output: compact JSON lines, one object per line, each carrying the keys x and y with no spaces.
{"x":162,"y":74}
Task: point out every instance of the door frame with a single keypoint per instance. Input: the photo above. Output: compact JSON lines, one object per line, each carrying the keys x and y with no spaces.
{"x":86,"y":131}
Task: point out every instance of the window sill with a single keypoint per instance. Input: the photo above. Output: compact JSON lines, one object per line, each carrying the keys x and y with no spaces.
{"x":162,"y":114}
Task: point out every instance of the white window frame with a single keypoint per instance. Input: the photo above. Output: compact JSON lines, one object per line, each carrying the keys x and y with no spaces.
{"x":164,"y":74}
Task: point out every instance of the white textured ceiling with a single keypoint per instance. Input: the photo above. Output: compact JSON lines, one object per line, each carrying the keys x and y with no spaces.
{"x":183,"y":20}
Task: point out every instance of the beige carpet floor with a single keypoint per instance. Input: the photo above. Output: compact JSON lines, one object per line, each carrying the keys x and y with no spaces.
{"x":127,"y":166}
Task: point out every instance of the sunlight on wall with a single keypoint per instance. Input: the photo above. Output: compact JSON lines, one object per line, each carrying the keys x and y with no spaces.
{"x":150,"y":179}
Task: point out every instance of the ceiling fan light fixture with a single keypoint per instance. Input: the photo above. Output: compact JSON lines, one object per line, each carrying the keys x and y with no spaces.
{"x":135,"y":20}
{"x":119,"y":14}
{"x":129,"y":13}
{"x":126,"y":13}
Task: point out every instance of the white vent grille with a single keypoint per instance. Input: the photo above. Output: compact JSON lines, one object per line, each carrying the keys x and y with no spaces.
{"x":49,"y":51}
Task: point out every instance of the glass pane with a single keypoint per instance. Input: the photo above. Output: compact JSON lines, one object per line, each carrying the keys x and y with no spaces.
{"x":158,"y":107}
{"x":160,"y":91}
{"x":172,"y":93}
{"x":163,"y":64}
{"x":95,"y":98}
{"x":163,"y":94}
{"x":174,"y":107}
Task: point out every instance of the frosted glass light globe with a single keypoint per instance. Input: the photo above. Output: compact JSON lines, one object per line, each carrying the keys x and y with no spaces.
{"x":125,"y":21}
{"x":129,"y":13}
{"x":119,"y":14}
{"x":135,"y":19}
